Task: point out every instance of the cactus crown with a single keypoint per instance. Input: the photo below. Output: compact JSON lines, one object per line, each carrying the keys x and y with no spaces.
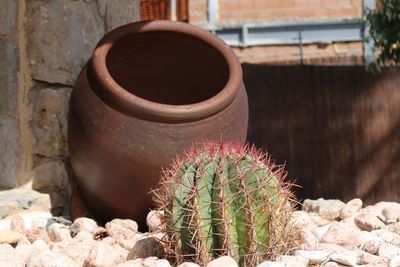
{"x":225,"y":199}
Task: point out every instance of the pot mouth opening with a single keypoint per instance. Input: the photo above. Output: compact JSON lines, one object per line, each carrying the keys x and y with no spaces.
{"x":166,"y":70}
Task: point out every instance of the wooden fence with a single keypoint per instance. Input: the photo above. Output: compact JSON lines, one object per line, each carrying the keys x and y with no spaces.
{"x":337,"y":128}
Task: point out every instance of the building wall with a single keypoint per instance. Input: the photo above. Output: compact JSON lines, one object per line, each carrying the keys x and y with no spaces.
{"x":272,"y":11}
{"x":43,"y":46}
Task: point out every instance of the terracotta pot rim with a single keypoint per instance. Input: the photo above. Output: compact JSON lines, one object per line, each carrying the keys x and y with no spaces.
{"x":135,"y":105}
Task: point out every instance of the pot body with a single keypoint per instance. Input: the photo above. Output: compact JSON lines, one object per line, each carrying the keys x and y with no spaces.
{"x":117,"y":157}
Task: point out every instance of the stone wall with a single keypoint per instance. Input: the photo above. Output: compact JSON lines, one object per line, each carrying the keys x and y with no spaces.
{"x":43,"y":46}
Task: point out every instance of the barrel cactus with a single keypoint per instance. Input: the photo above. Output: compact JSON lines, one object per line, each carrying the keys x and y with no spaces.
{"x":225,"y":199}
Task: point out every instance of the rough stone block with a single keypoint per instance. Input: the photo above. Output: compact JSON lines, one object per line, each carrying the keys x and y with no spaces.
{"x":50,"y":176}
{"x":8,"y":16}
{"x":50,"y":112}
{"x":9,"y":147}
{"x":8,"y":75}
{"x":120,"y":12}
{"x":62,"y":35}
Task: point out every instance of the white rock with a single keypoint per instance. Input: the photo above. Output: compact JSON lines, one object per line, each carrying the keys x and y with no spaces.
{"x":319,"y":232}
{"x":393,"y":227}
{"x":306,"y":239}
{"x":368,"y":221}
{"x":153,"y":220}
{"x":329,"y":209}
{"x":149,"y":261}
{"x":46,"y":258}
{"x":78,"y":248}
{"x":103,"y":254}
{"x":351,"y":208}
{"x":24,"y":252}
{"x":387,"y":236}
{"x":313,"y":256}
{"x":341,"y":233}
{"x":7,"y":252}
{"x":188,"y":264}
{"x":161,"y":263}
{"x":271,"y":264}
{"x":125,"y":232}
{"x":388,"y":251}
{"x":394,"y":262}
{"x":83,"y":224}
{"x":292,"y":261}
{"x":225,"y":261}
{"x":375,"y":210}
{"x":131,"y":263}
{"x":367,"y":258}
{"x":391,"y":214}
{"x":34,"y":234}
{"x":301,"y":219}
{"x":9,"y":237}
{"x":40,"y":245}
{"x":331,"y":264}
{"x":318,"y":220}
{"x":59,"y":232}
{"x":348,"y":258}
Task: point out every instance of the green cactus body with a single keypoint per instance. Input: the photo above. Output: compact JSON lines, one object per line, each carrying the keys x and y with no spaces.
{"x":225,"y":199}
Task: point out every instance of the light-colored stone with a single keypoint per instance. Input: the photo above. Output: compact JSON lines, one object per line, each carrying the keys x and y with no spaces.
{"x":391,"y":214}
{"x":313,"y":256}
{"x":270,"y":264}
{"x":50,"y":176}
{"x":123,"y":231}
{"x":149,"y":261}
{"x":37,"y":234}
{"x":24,"y":252}
{"x":24,"y":199}
{"x":124,"y":12}
{"x":318,"y":220}
{"x":40,"y":245}
{"x":368,"y":258}
{"x":387,"y":236}
{"x":329,"y":209}
{"x":394,"y":262}
{"x":131,"y":263}
{"x":9,"y":237}
{"x":153,"y":220}
{"x":68,"y":26}
{"x":83,"y":224}
{"x":330,"y":264}
{"x":388,"y":251}
{"x":9,"y":156}
{"x":306,"y":239}
{"x":369,"y":242}
{"x":341,"y":233}
{"x":368,"y":222}
{"x":59,"y":232}
{"x":17,"y":224}
{"x":47,"y":258}
{"x":49,"y":126}
{"x":7,"y":252}
{"x":146,"y":247}
{"x":351,"y":208}
{"x":393,"y":227}
{"x":292,"y":261}
{"x":8,"y":75}
{"x":79,"y":248}
{"x":320,"y":231}
{"x":348,"y":258}
{"x":188,"y":264}
{"x":225,"y":261}
{"x":161,"y":263}
{"x":103,"y":254}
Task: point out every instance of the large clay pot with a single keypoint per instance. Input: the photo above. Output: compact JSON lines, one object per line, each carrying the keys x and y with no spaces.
{"x":150,"y":91}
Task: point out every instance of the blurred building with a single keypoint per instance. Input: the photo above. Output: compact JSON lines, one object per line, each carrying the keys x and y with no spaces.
{"x":276,"y":31}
